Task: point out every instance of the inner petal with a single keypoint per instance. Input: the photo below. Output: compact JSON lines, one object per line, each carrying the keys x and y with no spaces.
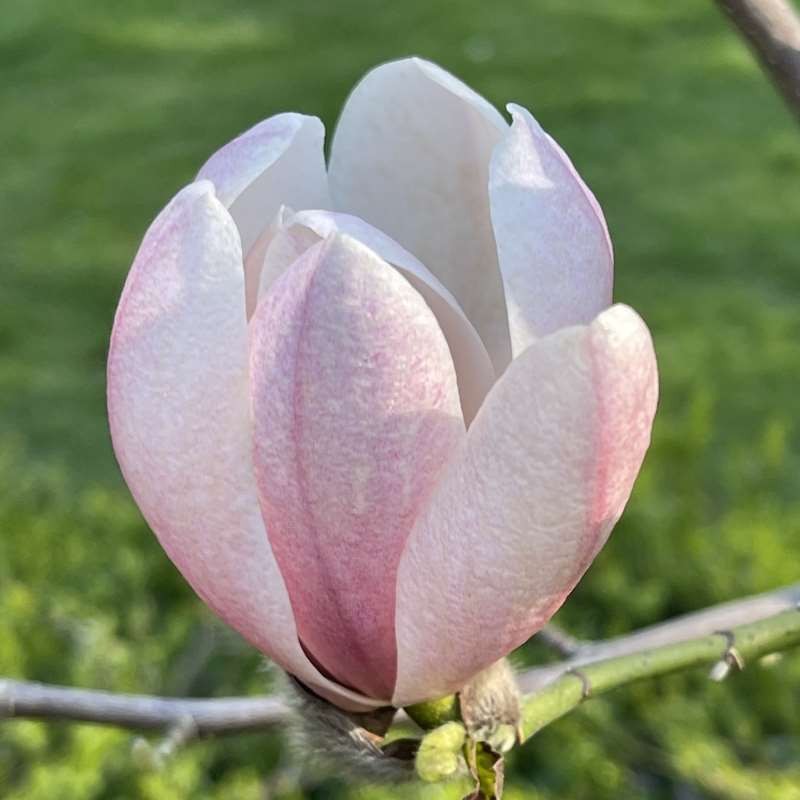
{"x":293,"y":234}
{"x":411,"y":155}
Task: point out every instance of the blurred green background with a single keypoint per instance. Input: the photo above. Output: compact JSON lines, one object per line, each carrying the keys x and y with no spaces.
{"x":107,"y":108}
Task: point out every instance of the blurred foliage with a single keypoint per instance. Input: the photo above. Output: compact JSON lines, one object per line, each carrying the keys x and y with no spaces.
{"x":107,"y":108}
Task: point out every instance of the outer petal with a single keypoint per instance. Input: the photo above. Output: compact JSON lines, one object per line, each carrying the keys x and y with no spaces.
{"x":472,"y":363}
{"x":520,"y":513}
{"x":356,"y":411}
{"x":411,"y":156}
{"x":179,"y":412}
{"x":279,"y":161}
{"x":552,"y":241}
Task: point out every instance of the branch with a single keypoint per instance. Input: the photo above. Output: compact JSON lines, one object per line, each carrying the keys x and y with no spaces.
{"x":140,"y":712}
{"x":724,"y":649}
{"x":772,"y":28}
{"x":681,"y":629}
{"x":762,"y":623}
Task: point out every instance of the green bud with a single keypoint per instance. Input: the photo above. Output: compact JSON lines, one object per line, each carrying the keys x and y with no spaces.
{"x":439,"y":754}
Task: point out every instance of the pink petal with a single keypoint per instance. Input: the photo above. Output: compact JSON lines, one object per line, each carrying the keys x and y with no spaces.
{"x":411,"y":156}
{"x":472,"y":363}
{"x":178,"y":401}
{"x":519,"y":514}
{"x":552,"y":241}
{"x":356,"y":410}
{"x":279,"y":161}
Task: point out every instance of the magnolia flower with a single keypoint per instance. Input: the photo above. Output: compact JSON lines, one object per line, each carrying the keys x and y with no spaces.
{"x":382,"y":415}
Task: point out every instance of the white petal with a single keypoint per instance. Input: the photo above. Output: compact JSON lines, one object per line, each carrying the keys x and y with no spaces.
{"x":410,"y":155}
{"x":552,"y":241}
{"x":279,"y":161}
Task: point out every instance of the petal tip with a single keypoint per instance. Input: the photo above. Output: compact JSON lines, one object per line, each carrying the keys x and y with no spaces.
{"x":621,"y":320}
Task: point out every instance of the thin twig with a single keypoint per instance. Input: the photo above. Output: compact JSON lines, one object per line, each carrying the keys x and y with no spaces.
{"x":25,"y":699}
{"x":560,"y":641}
{"x":772,"y":28}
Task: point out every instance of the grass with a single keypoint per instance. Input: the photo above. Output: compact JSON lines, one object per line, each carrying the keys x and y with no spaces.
{"x":107,"y":108}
